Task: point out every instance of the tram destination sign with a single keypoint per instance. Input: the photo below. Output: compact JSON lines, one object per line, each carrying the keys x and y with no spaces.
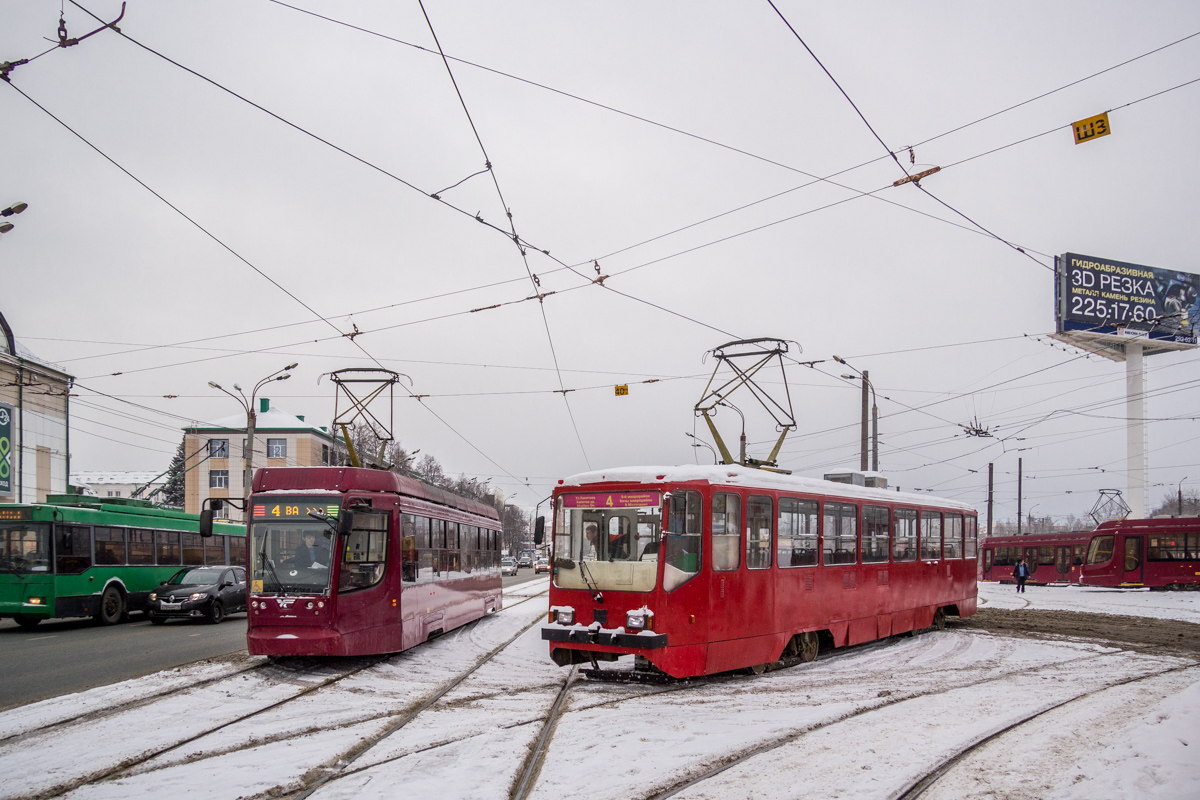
{"x":278,"y":508}
{"x":1101,"y":303}
{"x":612,"y":500}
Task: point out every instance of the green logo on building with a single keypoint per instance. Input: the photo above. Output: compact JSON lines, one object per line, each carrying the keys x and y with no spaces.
{"x":6,"y":468}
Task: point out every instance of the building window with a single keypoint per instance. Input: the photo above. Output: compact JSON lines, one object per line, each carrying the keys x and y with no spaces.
{"x":218,"y":448}
{"x":218,"y":479}
{"x":276,"y":448}
{"x":324,"y":454}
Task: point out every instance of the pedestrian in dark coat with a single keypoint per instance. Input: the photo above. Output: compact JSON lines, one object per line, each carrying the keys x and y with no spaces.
{"x":1021,"y":573}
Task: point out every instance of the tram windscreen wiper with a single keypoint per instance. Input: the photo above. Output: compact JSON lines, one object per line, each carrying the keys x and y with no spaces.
{"x":587,"y":579}
{"x":270,"y":566}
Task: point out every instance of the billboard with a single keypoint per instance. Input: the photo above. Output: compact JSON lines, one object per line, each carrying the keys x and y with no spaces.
{"x":6,"y":449}
{"x":1101,"y":303}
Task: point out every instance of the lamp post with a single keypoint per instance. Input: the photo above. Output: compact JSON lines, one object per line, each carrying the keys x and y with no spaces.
{"x":15,"y":208}
{"x":864,"y":375}
{"x":248,"y":404}
{"x":1179,"y":494}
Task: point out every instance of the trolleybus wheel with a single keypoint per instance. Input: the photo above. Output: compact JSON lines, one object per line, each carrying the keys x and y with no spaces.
{"x":26,"y":621}
{"x":809,"y":645}
{"x":112,"y":606}
{"x":216,"y":612}
{"x":939,"y":620}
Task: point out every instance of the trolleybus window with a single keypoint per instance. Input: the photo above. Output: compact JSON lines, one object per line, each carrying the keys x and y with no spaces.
{"x":726,"y":532}
{"x":904,"y":542}
{"x":110,"y":545}
{"x":214,"y":550}
{"x":1100,"y":549}
{"x":841,"y":533}
{"x":72,"y":549}
{"x":876,"y":525}
{"x":682,"y":540}
{"x":954,"y":535}
{"x":758,"y":532}
{"x":168,"y":547}
{"x":931,"y":535}
{"x":24,"y":548}
{"x":607,"y":541}
{"x":193,"y":549}
{"x":364,"y":552}
{"x":141,"y":546}
{"x":971,"y":538}
{"x":798,"y":525}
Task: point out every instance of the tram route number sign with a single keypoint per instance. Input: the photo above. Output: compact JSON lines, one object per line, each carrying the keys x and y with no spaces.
{"x":612,"y":500}
{"x":293,"y":508}
{"x":1100,"y":295}
{"x":6,"y":449}
{"x":1091,"y":128}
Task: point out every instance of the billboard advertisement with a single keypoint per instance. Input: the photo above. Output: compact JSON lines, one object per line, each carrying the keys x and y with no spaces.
{"x":6,"y":449}
{"x":1100,"y":296}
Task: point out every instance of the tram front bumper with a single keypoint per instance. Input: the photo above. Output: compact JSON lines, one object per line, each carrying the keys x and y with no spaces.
{"x":294,"y":640}
{"x":577,"y":635}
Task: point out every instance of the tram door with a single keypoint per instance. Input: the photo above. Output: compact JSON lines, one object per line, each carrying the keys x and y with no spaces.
{"x":987,"y":563}
{"x":1133,"y":559}
{"x":1062,"y":562}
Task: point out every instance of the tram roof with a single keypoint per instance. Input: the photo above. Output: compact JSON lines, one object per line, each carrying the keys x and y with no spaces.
{"x":750,"y":478}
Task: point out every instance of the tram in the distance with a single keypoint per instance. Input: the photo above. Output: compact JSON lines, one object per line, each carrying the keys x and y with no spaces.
{"x":1052,"y":558}
{"x":1154,"y":553}
{"x":701,"y":570}
{"x":348,"y":561}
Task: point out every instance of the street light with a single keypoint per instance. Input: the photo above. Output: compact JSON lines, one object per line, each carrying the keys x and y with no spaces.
{"x":248,"y":404}
{"x":15,"y":208}
{"x":1179,"y":494}
{"x":866,"y":381}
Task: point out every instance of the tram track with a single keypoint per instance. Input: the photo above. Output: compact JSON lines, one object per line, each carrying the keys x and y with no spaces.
{"x":890,"y":701}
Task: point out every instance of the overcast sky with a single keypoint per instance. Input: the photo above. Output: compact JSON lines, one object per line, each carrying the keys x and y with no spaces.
{"x":617,"y":133}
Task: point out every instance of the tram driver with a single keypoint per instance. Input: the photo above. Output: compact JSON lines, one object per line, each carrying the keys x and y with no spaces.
{"x":311,"y":555}
{"x":590,"y":542}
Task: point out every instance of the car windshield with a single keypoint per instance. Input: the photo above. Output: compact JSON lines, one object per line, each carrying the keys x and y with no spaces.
{"x":607,"y":540}
{"x":24,"y":548}
{"x":291,"y":556}
{"x":196,"y":577}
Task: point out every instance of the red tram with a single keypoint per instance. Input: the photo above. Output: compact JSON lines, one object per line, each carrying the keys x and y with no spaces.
{"x":350,"y":561}
{"x":1051,"y":558}
{"x":1158,"y":553}
{"x":703,"y":570}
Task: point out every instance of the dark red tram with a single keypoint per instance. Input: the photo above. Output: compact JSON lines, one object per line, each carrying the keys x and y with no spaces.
{"x":708,"y":569}
{"x":1158,"y":553}
{"x":1051,"y":558}
{"x":349,"y":561}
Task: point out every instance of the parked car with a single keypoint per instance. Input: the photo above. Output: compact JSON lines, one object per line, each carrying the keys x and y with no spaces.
{"x":508,"y":566}
{"x":525,"y":560}
{"x":542,"y":565}
{"x":199,"y":593}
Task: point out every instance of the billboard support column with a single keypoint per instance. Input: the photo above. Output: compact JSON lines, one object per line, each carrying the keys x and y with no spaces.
{"x":1135,"y":428}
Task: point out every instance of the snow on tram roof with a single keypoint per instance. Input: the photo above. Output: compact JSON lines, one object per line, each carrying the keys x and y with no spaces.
{"x":748,"y":477}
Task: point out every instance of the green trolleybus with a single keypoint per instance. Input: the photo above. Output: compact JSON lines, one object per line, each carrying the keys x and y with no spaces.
{"x":82,"y":556}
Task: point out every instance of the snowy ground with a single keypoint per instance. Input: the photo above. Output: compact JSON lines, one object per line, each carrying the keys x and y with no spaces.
{"x":1183,"y":606}
{"x":865,"y":723}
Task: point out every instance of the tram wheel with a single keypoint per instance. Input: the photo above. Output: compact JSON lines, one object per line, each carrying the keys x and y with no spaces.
{"x":809,"y":645}
{"x":758,"y":669}
{"x":216,"y":613}
{"x":27,"y":622}
{"x":939,"y":620}
{"x":112,"y":607}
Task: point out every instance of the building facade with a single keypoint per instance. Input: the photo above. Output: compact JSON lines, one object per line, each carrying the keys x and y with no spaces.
{"x":34,"y":424}
{"x":216,"y":453}
{"x":120,"y":484}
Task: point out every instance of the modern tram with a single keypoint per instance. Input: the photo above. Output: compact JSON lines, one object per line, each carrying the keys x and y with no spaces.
{"x":1052,"y":558}
{"x":1154,"y":553}
{"x":701,"y":570}
{"x":346,"y":561}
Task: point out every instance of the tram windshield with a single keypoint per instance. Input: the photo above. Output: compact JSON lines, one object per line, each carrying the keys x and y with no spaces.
{"x":607,"y":541}
{"x":24,"y":548}
{"x":290,"y":557}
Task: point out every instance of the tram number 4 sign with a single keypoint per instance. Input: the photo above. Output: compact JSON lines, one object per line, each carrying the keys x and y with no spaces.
{"x":622,"y":390}
{"x":6,"y":459}
{"x":1091,"y":128}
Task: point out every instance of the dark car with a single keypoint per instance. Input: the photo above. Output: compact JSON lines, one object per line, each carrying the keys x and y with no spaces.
{"x":199,"y":593}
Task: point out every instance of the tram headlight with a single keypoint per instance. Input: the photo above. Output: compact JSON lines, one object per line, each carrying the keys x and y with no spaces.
{"x":310,"y":605}
{"x":639,"y":620}
{"x":565,"y":616}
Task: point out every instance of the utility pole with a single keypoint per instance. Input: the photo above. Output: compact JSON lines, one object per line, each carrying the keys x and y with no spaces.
{"x":865,"y":390}
{"x":991,"y":488}
{"x":1019,"y":497}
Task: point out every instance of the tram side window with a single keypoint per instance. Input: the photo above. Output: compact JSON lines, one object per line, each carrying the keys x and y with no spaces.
{"x":1167,"y":547}
{"x":168,"y":548}
{"x":758,"y":532}
{"x":1078,"y":552}
{"x":904,"y":540}
{"x":1046,"y":554}
{"x":726,"y":532}
{"x":408,"y":548}
{"x":841,"y":533}
{"x":798,"y":526}
{"x":426,"y":555}
{"x":1006,"y":556}
{"x":876,"y":525}
{"x":971,"y":540}
{"x":193,"y":549}
{"x":682,"y":543}
{"x":364,"y":553}
{"x":954,"y":536}
{"x":931,"y":535}
{"x":141,"y":546}
{"x":1100,"y":549}
{"x":214,"y":549}
{"x":72,"y":549}
{"x":110,"y":546}
{"x":237,"y":550}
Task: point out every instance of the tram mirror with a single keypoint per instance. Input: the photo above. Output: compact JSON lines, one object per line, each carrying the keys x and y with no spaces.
{"x":345,"y":522}
{"x":206,"y":522}
{"x":539,"y":530}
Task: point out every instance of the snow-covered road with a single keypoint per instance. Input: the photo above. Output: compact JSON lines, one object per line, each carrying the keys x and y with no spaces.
{"x":866,"y":722}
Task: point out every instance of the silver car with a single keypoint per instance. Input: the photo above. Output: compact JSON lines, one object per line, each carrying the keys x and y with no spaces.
{"x":508,"y":566}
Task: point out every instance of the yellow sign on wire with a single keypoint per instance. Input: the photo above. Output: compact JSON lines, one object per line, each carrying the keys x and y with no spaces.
{"x":1091,"y":128}
{"x":622,"y":389}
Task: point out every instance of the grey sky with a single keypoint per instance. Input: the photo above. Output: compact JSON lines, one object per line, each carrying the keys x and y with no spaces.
{"x":97,"y":263}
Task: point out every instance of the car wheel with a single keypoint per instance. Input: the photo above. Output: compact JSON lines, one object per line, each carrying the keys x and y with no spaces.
{"x":26,"y":621}
{"x":112,"y":606}
{"x":156,"y":619}
{"x":216,"y":612}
